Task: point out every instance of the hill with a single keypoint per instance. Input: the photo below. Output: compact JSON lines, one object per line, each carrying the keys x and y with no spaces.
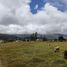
{"x":27,"y":36}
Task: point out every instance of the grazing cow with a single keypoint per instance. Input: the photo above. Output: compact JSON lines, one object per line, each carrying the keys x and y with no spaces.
{"x":65,"y":54}
{"x":56,"y":49}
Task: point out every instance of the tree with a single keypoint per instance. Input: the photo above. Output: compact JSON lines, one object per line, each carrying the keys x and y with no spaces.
{"x":34,"y":36}
{"x":61,"y":38}
{"x":44,"y":38}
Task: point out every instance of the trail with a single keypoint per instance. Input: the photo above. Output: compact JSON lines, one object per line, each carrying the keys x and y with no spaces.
{"x":1,"y":65}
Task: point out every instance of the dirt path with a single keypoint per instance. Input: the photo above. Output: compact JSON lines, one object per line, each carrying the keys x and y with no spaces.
{"x":1,"y":65}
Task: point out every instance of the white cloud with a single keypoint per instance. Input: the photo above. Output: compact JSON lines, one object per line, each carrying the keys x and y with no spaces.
{"x":36,"y":6}
{"x":21,"y":20}
{"x":14,"y":3}
{"x":64,"y":1}
{"x":3,"y":10}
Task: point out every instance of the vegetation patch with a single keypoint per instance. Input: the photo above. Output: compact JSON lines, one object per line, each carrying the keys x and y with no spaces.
{"x":33,"y":54}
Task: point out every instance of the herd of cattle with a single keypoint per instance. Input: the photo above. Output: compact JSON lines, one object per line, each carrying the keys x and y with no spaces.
{"x":57,"y":49}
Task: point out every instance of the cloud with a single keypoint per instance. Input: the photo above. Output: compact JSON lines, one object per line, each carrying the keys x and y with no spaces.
{"x":16,"y":17}
{"x":3,"y":11}
{"x":14,"y":3}
{"x":36,"y":7}
{"x":64,"y":1}
{"x":60,"y":4}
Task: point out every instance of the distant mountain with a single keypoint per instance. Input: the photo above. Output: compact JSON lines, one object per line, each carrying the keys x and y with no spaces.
{"x":27,"y":36}
{"x":7,"y":37}
{"x":55,"y":36}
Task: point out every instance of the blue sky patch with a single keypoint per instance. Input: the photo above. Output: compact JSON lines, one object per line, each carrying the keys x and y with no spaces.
{"x":33,"y":4}
{"x":57,"y":3}
{"x":40,"y":4}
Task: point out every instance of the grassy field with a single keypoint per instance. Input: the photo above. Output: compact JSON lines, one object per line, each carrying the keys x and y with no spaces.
{"x":32,"y":54}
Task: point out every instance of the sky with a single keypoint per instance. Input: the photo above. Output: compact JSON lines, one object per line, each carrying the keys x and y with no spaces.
{"x":29,"y":16}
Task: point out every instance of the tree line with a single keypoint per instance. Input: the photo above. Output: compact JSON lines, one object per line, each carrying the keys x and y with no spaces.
{"x":34,"y":37}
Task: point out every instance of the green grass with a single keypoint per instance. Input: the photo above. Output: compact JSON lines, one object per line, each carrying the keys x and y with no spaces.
{"x":32,"y":54}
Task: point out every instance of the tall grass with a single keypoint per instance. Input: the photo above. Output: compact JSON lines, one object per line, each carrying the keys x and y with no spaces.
{"x":32,"y":54}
